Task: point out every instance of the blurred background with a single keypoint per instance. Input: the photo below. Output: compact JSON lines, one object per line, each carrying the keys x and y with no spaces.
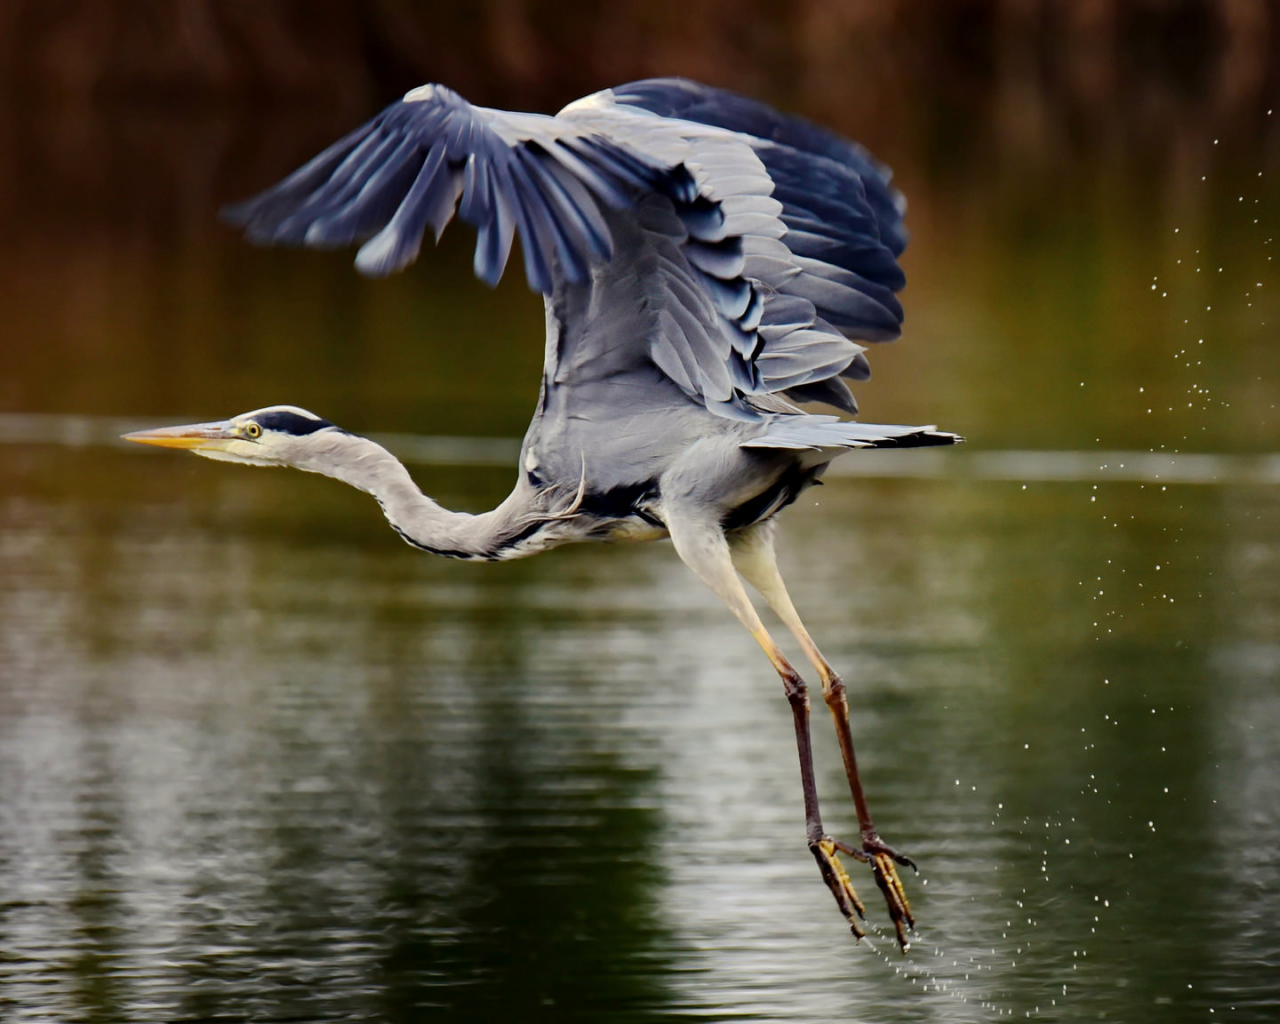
{"x":259,"y":761}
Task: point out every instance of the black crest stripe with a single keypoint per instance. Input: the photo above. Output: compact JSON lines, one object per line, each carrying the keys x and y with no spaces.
{"x":290,"y":422}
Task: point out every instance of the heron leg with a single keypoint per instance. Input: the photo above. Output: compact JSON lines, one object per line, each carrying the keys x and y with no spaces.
{"x":753,"y":556}
{"x":705,"y":550}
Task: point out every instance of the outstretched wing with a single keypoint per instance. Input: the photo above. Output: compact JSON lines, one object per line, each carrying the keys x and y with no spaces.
{"x":433,"y":154}
{"x":836,"y":197}
{"x":763,"y":266}
{"x":844,"y":220}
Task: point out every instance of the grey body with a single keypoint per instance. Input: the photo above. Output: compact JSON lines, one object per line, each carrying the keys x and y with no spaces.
{"x":706,"y":263}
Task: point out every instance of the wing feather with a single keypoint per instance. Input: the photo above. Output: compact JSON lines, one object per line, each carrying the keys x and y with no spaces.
{"x":432,"y":152}
{"x":840,"y":218}
{"x":774,"y":240}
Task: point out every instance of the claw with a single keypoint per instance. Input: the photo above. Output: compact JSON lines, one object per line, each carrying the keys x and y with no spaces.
{"x":838,"y":881}
{"x":882,"y":859}
{"x":886,"y":876}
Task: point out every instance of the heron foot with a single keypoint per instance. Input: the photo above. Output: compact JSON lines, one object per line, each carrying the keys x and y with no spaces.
{"x":838,"y":881}
{"x":884,"y":860}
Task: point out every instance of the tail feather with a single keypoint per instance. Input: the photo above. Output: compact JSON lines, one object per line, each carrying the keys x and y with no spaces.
{"x":817,"y":432}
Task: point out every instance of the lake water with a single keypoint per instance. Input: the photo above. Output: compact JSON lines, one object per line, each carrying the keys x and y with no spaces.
{"x":261,"y":761}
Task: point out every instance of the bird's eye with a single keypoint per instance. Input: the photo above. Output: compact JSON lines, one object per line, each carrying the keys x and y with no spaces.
{"x":252,"y":430}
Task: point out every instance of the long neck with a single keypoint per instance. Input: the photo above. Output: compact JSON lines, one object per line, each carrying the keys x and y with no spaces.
{"x":489,"y":536}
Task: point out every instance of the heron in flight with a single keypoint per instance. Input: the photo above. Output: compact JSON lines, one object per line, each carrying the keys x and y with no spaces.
{"x":705,"y":262}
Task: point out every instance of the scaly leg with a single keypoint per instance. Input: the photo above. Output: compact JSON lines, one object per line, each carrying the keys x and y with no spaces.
{"x":704,"y":549}
{"x":753,"y":556}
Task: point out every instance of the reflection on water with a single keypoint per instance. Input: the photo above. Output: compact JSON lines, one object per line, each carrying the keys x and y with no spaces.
{"x":263,"y":762}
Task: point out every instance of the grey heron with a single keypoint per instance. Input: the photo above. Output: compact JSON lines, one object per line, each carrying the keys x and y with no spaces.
{"x":705,"y":262}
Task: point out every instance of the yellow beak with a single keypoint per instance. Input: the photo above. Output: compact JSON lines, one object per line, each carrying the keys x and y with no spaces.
{"x":190,"y":436}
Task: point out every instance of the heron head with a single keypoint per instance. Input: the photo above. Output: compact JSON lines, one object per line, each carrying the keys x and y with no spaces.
{"x":279,"y":435}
